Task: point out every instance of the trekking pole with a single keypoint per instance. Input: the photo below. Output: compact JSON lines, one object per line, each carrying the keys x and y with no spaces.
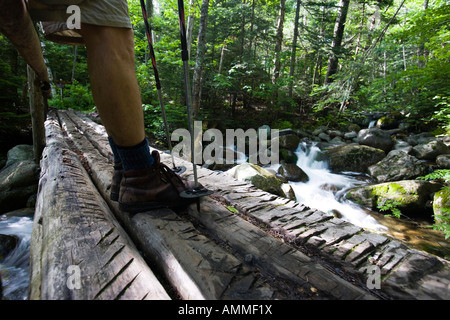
{"x":197,"y":191}
{"x":179,"y":169}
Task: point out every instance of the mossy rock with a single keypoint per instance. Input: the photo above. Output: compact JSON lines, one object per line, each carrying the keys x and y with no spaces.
{"x":409,"y":196}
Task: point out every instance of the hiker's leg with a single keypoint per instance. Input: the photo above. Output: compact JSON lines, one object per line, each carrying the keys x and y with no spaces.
{"x":16,"y":25}
{"x":110,"y":53}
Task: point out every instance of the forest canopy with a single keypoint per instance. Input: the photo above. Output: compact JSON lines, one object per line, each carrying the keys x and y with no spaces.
{"x":284,"y":63}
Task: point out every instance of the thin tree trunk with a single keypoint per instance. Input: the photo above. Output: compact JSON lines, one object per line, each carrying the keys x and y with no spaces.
{"x":279,"y":42}
{"x":318,"y":57}
{"x":361,"y":25}
{"x":422,"y":53}
{"x":294,"y":48}
{"x":74,"y":64}
{"x":337,"y":41}
{"x":190,"y":27}
{"x":198,"y":69}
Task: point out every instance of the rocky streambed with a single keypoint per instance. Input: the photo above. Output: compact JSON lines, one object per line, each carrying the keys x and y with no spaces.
{"x":384,"y":180}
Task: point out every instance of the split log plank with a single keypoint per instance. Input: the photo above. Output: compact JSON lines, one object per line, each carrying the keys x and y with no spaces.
{"x":315,"y":229}
{"x":74,"y":227}
{"x":179,"y":250}
{"x":196,"y":267}
{"x":272,"y":255}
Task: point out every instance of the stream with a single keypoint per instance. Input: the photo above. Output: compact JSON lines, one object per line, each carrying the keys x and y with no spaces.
{"x":14,"y":269}
{"x":325,"y":191}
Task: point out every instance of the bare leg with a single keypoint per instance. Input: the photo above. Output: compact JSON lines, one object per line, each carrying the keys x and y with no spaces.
{"x":110,"y":53}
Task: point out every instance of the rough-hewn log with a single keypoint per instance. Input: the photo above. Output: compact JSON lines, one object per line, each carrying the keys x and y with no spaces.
{"x":37,"y":111}
{"x":78,"y":249}
{"x":180,"y":249}
{"x":195,"y":266}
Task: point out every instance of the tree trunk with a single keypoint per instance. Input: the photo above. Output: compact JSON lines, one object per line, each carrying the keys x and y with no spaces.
{"x":198,"y":69}
{"x":74,"y":63}
{"x":294,"y":48}
{"x":190,"y":27}
{"x":337,"y":41}
{"x":422,"y":52}
{"x":279,"y":42}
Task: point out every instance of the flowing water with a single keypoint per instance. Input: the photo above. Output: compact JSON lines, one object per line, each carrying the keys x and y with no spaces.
{"x":14,"y":269}
{"x":325,"y":190}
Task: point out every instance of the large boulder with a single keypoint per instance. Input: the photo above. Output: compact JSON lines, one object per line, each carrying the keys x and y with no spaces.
{"x":352,"y":157}
{"x":409,"y":196}
{"x":376,"y":138}
{"x":18,"y":179}
{"x":397,"y":165}
{"x":259,"y":177}
{"x":19,"y":153}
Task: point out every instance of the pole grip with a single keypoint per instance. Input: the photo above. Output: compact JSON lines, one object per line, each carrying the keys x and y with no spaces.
{"x":184,"y":50}
{"x":150,"y":45}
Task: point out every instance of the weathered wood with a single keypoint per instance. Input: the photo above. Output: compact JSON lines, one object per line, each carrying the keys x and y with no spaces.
{"x":179,"y":249}
{"x":272,"y":255}
{"x":195,"y":266}
{"x":78,"y":249}
{"x":37,"y":111}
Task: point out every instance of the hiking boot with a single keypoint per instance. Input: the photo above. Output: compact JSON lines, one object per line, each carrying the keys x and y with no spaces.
{"x":152,"y":188}
{"x":115,"y":183}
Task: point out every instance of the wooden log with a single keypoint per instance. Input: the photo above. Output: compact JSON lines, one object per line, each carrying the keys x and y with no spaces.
{"x":78,"y":249}
{"x":195,"y":266}
{"x":272,"y":255}
{"x":342,"y":245}
{"x":37,"y":111}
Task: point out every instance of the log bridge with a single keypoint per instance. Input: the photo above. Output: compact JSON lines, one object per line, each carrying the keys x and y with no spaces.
{"x":244,"y":244}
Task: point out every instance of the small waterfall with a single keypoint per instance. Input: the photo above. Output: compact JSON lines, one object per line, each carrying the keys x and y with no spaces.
{"x":324,"y":189}
{"x":14,"y":268}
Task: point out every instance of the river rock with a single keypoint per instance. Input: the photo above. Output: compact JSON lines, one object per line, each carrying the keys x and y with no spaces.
{"x":420,"y":138}
{"x":288,"y":156}
{"x":443,"y":161}
{"x":18,"y":179}
{"x":441,"y":205}
{"x":20,"y":152}
{"x":292,"y":172}
{"x":430,"y":150}
{"x":387,"y":122}
{"x":287,"y":191}
{"x":352,"y":157}
{"x":409,"y":196}
{"x":397,"y":165}
{"x":288,"y":139}
{"x":7,"y":244}
{"x":376,"y":138}
{"x":259,"y":177}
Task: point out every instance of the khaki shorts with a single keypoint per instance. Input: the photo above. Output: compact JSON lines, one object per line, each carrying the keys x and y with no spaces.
{"x":52,"y":15}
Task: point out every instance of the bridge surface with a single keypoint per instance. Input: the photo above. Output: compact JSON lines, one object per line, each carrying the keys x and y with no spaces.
{"x":243,"y":244}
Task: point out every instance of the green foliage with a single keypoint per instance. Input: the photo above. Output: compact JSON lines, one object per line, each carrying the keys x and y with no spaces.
{"x":440,"y":174}
{"x":75,"y":96}
{"x":442,"y":222}
{"x":392,"y":206}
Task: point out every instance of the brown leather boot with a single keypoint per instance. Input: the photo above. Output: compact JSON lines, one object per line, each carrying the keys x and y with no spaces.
{"x":152,"y":188}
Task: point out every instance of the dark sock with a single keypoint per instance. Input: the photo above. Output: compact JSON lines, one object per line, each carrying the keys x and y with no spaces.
{"x":114,"y":150}
{"x":134,"y":158}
